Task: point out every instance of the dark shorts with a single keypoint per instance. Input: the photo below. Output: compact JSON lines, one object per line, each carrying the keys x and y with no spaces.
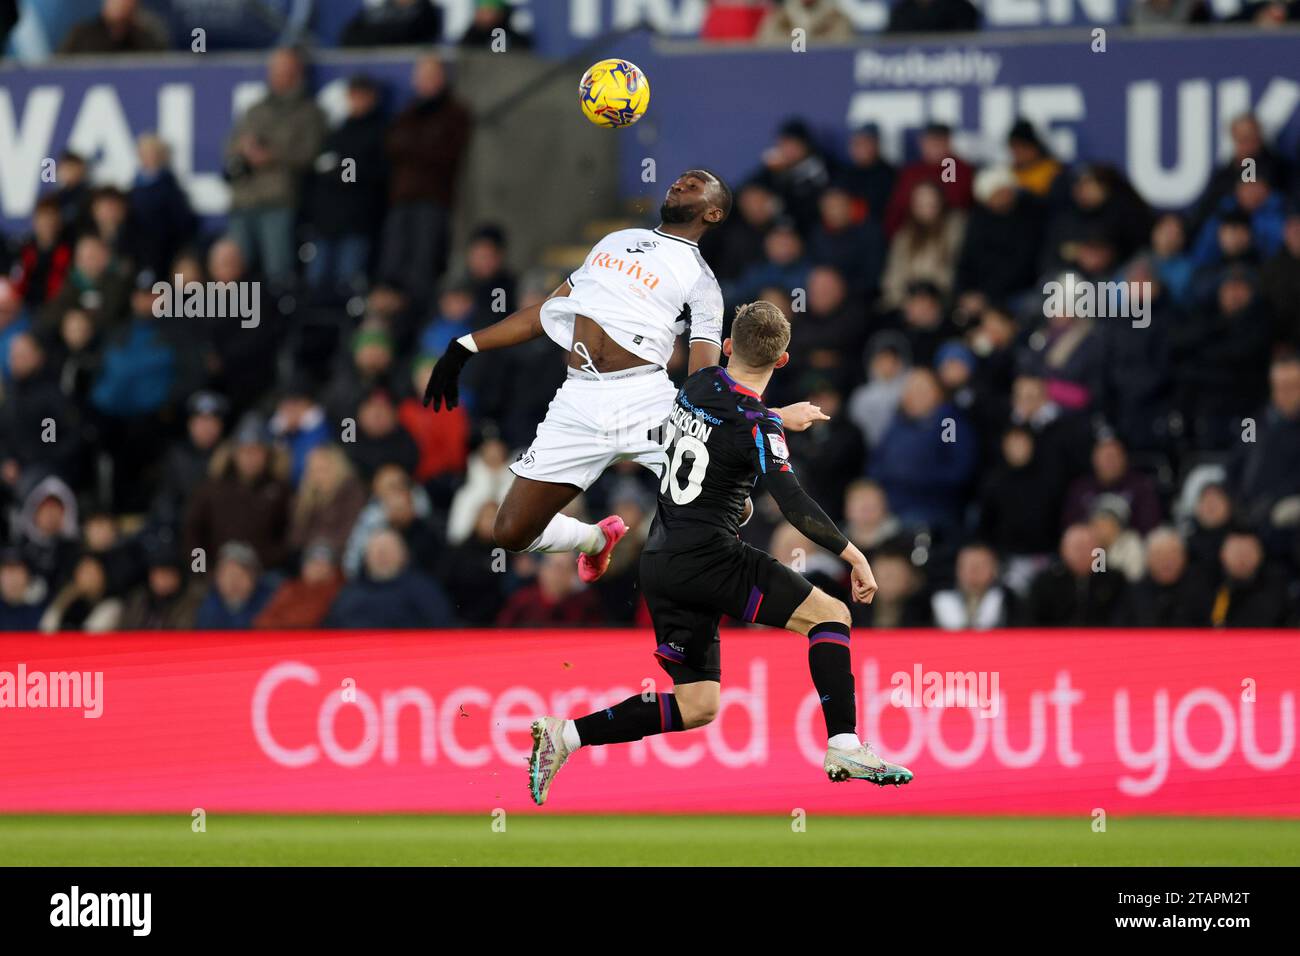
{"x":688,"y":592}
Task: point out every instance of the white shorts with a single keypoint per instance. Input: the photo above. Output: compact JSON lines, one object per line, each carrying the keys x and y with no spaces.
{"x":591,"y":425}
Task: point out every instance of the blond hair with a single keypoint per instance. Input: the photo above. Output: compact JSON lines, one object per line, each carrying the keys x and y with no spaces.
{"x":760,"y":332}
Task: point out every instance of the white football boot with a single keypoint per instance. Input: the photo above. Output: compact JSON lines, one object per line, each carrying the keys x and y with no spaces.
{"x":863,"y":764}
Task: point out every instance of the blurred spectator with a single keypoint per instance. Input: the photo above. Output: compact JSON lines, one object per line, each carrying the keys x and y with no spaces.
{"x":925,"y":247}
{"x":390,"y":483}
{"x":487,"y":478}
{"x":96,"y":283}
{"x":1002,"y":239}
{"x":829,"y":457}
{"x":44,"y":259}
{"x":73,"y":194}
{"x":867,"y":519}
{"x":474,"y":571}
{"x":784,"y":265}
{"x":299,"y":424}
{"x":1280,"y":282}
{"x":1265,"y":472}
{"x":868,"y":176}
{"x":488,"y":275}
{"x":22,"y":597}
{"x":380,"y":439}
{"x":367,"y":367}
{"x":122,"y":558}
{"x":927,"y":458}
{"x":848,"y":241}
{"x":1253,"y":202}
{"x":269,"y":150}
{"x":1250,"y":594}
{"x":1020,"y":505}
{"x":938,"y":164}
{"x":47,"y":532}
{"x":1109,"y":521}
{"x":32,"y":401}
{"x":1169,"y":255}
{"x":932,"y":16}
{"x":442,"y":438}
{"x":796,"y":172}
{"x":240,"y":358}
{"x":345,"y":203}
{"x":1079,"y":590}
{"x":1248,"y":144}
{"x":1171,"y":594}
{"x":245,"y":498}
{"x":1221,"y":356}
{"x":491,"y":16}
{"x":872,"y":406}
{"x":394,"y":23}
{"x":737,"y":244}
{"x":831,"y":333}
{"x":166,"y":601}
{"x":921,"y":320}
{"x":1136,"y":383}
{"x":900,"y":601}
{"x":239,"y":590}
{"x":426,"y":146}
{"x":121,"y":27}
{"x":390,"y":594}
{"x":304,"y":601}
{"x":1101,"y":203}
{"x":328,"y":502}
{"x":978,"y":602}
{"x":84,"y":603}
{"x":1112,"y":475}
{"x":186,"y":462}
{"x":555,"y":599}
{"x":420,"y":528}
{"x":1063,"y":437}
{"x":820,"y":20}
{"x":159,"y":207}
{"x":1035,"y":168}
{"x":455,"y":317}
{"x":110,"y":218}
{"x":1211,"y":521}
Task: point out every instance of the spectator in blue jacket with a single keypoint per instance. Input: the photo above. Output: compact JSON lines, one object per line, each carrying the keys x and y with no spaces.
{"x":927,"y":458}
{"x":390,"y":594}
{"x":299,"y":423}
{"x":1255,"y":200}
{"x":139,"y":364}
{"x":239,"y":593}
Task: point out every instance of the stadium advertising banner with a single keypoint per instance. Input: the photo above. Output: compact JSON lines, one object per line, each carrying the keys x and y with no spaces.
{"x":1061,"y":723}
{"x":1158,"y":109}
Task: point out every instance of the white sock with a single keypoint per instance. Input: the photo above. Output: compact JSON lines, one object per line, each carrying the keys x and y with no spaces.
{"x":570,"y":735}
{"x":563,"y":533}
{"x":845,"y":742}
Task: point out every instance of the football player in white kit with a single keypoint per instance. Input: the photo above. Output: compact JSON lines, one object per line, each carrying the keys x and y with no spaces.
{"x":619,"y":316}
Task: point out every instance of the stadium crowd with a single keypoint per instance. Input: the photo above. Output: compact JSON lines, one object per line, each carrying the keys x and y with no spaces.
{"x":1002,"y":461}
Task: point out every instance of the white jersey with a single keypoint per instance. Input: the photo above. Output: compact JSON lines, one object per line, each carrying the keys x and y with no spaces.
{"x":643,"y":287}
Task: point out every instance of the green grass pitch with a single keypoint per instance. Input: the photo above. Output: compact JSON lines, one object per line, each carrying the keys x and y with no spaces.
{"x":533,"y":839}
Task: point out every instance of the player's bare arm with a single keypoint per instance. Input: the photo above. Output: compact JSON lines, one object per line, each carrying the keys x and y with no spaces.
{"x":518,"y":327}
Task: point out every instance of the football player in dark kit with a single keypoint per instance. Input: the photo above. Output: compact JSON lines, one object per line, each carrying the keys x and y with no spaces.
{"x":720,"y":439}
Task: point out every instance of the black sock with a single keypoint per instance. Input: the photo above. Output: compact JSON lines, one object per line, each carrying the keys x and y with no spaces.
{"x":631,"y":720}
{"x":832,"y":674}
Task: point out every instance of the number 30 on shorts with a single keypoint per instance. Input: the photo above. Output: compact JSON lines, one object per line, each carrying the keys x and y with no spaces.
{"x":678,"y":447}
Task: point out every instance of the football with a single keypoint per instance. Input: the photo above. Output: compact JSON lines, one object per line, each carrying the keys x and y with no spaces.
{"x":614,"y":93}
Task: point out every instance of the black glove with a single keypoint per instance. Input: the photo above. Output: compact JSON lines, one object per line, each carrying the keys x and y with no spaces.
{"x":442,"y":385}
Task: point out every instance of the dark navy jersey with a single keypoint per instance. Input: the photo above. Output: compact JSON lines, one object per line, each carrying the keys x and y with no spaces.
{"x":720,"y":439}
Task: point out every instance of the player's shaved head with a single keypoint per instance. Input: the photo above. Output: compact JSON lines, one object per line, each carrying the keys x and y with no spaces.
{"x":760,"y":332}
